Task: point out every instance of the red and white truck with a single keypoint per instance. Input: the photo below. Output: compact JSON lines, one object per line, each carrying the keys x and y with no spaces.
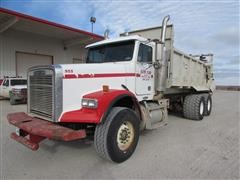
{"x":127,"y":85}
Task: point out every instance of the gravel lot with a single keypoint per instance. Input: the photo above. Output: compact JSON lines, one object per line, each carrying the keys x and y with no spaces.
{"x":182,"y":149}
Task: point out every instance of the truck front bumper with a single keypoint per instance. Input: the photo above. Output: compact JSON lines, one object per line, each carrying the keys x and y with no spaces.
{"x":18,"y":97}
{"x":33,"y":130}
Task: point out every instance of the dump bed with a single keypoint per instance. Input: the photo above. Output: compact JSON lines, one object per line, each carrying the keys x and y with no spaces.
{"x":183,"y":71}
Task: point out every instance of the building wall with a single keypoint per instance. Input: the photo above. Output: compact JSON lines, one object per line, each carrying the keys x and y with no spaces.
{"x":13,"y":40}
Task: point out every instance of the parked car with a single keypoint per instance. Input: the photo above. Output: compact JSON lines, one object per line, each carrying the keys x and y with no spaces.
{"x":15,"y":89}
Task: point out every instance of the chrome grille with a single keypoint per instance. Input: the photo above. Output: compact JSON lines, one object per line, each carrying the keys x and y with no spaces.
{"x":41,"y":92}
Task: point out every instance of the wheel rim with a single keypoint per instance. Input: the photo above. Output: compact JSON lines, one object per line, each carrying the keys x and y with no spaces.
{"x":208,"y":105}
{"x":125,"y":135}
{"x":201,"y":108}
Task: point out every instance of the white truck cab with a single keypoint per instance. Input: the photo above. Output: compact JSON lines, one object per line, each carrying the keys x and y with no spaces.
{"x":135,"y":54}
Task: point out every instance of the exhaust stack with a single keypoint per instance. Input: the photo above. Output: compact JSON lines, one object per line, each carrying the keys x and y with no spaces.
{"x":161,"y":71}
{"x":106,"y":33}
{"x":164,"y":27}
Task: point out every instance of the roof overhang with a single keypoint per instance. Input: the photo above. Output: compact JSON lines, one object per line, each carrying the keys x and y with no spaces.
{"x":70,"y":36}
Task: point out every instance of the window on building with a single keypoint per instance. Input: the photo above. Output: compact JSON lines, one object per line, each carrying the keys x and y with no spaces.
{"x":145,"y":54}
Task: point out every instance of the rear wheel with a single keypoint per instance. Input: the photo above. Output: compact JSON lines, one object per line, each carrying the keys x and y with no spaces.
{"x":193,"y":107}
{"x":116,"y":138}
{"x":207,"y":104}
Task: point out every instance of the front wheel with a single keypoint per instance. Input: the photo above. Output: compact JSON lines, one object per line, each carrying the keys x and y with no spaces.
{"x":116,"y":138}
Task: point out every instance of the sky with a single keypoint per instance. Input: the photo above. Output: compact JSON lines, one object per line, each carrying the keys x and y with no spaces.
{"x":200,"y":26}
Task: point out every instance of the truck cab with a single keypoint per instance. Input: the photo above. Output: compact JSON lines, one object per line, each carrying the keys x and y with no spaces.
{"x":136,"y":56}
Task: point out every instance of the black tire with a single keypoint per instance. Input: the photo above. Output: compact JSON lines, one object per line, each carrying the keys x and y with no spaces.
{"x":107,"y":133}
{"x":12,"y":101}
{"x":193,"y":107}
{"x":207,"y":104}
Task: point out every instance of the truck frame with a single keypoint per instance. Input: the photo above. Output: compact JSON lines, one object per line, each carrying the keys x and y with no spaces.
{"x":127,"y":85}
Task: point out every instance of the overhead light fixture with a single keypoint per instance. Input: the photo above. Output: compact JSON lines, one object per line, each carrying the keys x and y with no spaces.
{"x":92,"y":20}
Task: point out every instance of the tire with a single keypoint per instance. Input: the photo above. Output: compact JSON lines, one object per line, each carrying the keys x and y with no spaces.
{"x":12,"y":101}
{"x":207,"y":104}
{"x":193,"y":107}
{"x":116,"y":138}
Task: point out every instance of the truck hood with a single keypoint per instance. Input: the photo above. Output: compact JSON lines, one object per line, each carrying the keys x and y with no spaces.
{"x":82,"y":79}
{"x":80,"y":70}
{"x":19,"y":87}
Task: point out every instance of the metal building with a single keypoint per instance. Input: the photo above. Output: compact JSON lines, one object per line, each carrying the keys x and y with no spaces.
{"x":27,"y":41}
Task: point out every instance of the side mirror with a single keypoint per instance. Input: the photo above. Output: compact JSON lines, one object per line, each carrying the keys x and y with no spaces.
{"x":159,"y":48}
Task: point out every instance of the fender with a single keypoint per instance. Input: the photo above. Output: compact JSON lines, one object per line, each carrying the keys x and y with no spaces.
{"x":105,"y":102}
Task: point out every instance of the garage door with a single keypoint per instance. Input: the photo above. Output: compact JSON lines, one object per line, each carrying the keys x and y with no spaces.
{"x":26,"y":60}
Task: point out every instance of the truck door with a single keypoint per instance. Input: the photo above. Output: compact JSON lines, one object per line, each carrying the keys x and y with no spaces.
{"x":145,"y":71}
{"x":5,"y":88}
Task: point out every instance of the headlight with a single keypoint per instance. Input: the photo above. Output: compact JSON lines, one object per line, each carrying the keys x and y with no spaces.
{"x":89,"y":103}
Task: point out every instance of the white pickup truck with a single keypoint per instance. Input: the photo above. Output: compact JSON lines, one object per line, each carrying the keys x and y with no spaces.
{"x":15,"y":89}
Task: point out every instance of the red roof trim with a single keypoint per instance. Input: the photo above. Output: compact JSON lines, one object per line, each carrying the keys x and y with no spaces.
{"x":24,"y":16}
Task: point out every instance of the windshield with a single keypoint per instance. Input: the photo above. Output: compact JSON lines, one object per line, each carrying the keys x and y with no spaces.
{"x":116,"y":52}
{"x":15,"y":82}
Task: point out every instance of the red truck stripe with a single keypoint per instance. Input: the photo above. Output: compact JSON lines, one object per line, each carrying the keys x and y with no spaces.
{"x":110,"y":75}
{"x":70,"y":76}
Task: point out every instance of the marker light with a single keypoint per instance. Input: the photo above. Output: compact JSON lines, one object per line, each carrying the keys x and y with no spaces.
{"x":105,"y":88}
